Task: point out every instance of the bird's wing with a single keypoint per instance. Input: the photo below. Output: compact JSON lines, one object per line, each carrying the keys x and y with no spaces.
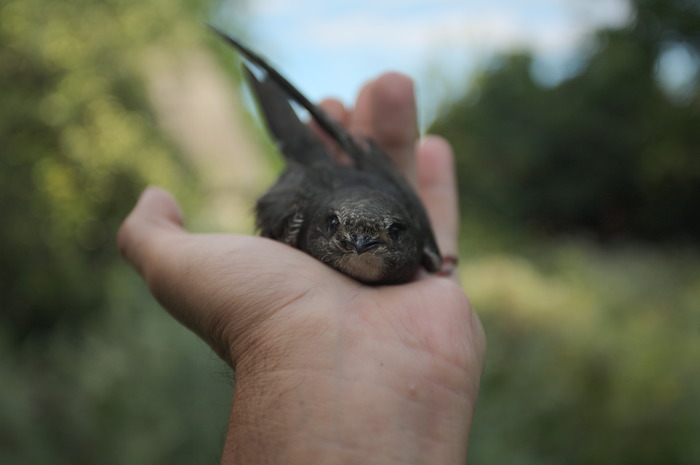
{"x":336,"y":131}
{"x":294,"y":138}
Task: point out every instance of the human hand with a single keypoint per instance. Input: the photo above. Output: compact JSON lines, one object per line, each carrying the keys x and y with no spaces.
{"x":328,"y":369}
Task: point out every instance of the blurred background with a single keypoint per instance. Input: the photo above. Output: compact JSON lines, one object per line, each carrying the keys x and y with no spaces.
{"x":576,"y":125}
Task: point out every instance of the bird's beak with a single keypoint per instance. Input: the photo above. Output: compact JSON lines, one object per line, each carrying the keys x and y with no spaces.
{"x":364,"y":243}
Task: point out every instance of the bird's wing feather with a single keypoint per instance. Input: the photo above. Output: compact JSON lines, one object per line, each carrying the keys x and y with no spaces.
{"x":337,"y":133}
{"x":295,"y":140}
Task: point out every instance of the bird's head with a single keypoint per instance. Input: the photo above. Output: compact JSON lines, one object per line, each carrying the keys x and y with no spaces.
{"x":367,"y":235}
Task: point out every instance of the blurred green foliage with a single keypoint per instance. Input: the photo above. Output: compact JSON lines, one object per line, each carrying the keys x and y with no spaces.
{"x":607,"y":152}
{"x":78,"y":144}
{"x":593,"y":348}
{"x":593,"y":355}
{"x":92,"y":371}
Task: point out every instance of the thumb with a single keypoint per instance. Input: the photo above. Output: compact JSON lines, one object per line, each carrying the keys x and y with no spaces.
{"x":155,"y":219}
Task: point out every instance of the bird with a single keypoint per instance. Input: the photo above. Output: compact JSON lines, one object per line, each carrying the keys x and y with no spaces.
{"x":364,"y":219}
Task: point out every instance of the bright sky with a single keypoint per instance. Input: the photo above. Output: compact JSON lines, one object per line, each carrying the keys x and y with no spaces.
{"x":329,"y":48}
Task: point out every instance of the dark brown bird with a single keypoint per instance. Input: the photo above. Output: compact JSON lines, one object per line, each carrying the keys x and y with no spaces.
{"x":363,"y":219}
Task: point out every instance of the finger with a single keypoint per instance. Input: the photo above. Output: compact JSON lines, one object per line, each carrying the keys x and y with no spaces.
{"x":386,"y":113}
{"x":216,"y":285}
{"x":337,"y":111}
{"x":155,"y":219}
{"x":438,"y":190}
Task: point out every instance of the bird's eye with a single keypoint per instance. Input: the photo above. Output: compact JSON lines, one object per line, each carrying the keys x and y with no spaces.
{"x":395,"y":230}
{"x":333,"y":223}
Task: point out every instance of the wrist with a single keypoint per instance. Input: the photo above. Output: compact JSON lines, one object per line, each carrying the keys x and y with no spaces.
{"x":382,"y":404}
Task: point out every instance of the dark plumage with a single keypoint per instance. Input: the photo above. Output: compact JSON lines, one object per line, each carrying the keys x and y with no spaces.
{"x":364,"y":220}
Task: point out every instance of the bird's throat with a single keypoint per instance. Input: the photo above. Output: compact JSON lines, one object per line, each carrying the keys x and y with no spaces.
{"x":367,"y":267}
